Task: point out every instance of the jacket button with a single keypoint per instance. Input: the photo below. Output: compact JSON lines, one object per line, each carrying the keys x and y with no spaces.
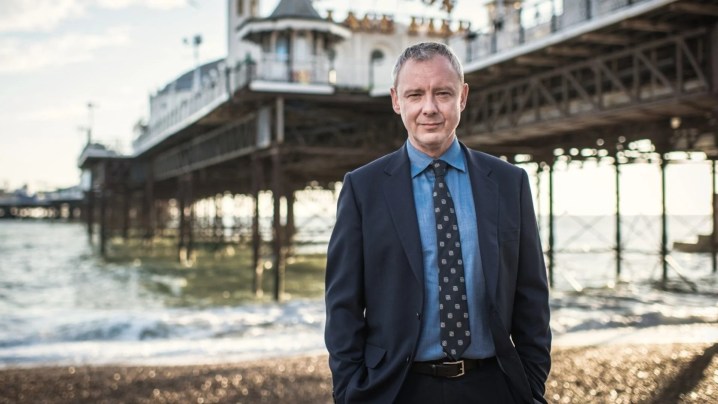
{"x":418,"y":316}
{"x":408,"y":359}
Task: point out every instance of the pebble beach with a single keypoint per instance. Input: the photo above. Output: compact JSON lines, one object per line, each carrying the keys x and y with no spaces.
{"x":657,"y":373}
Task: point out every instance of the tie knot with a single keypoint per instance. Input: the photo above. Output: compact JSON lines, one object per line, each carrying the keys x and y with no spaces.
{"x":439,"y":167}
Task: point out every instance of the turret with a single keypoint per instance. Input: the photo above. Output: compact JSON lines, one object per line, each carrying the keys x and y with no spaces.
{"x":296,"y":43}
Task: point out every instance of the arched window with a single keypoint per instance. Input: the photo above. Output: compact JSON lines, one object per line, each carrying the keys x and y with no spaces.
{"x":377,"y":56}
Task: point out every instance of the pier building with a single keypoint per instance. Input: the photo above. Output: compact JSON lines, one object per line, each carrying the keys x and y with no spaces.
{"x":303,"y":97}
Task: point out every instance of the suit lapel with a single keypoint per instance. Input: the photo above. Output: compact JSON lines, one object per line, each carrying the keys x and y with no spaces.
{"x":400,"y":199}
{"x":486,"y":201}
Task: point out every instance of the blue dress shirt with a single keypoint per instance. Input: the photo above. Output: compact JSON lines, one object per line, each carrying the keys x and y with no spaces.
{"x":457,"y":179}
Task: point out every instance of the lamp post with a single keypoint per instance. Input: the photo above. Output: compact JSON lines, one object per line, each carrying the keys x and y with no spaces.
{"x":503,"y":15}
{"x":88,"y":129}
{"x":195,"y":42}
{"x":495,"y":10}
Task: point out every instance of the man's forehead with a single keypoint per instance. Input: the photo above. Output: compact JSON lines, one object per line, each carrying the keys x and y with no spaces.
{"x":437,"y":59}
{"x":402,"y":78}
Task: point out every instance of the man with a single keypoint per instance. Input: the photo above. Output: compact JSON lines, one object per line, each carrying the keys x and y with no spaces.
{"x":436,"y":288}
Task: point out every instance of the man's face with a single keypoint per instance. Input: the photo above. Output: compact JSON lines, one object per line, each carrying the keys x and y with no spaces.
{"x":429,"y":96}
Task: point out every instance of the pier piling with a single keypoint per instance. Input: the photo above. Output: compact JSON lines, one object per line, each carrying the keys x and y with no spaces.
{"x":619,"y":247}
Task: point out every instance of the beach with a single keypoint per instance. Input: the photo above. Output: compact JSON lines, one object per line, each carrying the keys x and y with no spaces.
{"x":78,"y":329}
{"x":627,"y":373}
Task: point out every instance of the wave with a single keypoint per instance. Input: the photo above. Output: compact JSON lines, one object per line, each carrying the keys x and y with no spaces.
{"x":633,"y":306}
{"x":186,"y":336}
{"x":58,"y":336}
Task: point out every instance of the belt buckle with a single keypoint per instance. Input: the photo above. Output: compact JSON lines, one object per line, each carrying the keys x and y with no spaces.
{"x":461,"y":368}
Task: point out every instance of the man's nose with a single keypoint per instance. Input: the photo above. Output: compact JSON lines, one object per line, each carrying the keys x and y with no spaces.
{"x":429,"y":106}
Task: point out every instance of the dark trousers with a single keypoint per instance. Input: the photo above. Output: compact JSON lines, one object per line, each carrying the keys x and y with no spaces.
{"x":485,"y":384}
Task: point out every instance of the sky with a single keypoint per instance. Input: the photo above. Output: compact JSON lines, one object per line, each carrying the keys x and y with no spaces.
{"x":57,"y":56}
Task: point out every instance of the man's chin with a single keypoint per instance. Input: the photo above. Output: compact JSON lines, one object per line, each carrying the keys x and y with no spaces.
{"x":431,"y":142}
{"x":435,"y":138}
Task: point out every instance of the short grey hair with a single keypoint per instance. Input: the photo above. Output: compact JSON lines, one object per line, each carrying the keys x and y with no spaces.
{"x":425,"y":51}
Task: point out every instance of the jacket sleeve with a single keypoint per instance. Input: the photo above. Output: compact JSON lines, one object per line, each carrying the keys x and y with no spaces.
{"x":530,"y":330}
{"x":345,"y":324}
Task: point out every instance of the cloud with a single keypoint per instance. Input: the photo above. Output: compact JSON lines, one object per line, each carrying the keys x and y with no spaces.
{"x":154,"y":4}
{"x":71,"y":111}
{"x":36,"y":15}
{"x":25,"y":55}
{"x":45,"y":15}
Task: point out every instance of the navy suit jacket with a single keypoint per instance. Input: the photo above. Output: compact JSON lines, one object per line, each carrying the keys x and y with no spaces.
{"x":375,"y":278}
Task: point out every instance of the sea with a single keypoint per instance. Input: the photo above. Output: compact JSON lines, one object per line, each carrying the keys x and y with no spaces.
{"x":62,"y":304}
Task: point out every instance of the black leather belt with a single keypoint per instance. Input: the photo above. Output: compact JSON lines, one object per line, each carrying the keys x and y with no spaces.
{"x":449,"y":369}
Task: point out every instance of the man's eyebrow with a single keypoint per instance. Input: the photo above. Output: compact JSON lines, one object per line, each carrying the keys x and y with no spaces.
{"x":412,"y":90}
{"x":447,"y":88}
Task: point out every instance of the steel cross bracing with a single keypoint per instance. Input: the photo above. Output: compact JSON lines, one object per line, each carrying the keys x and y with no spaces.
{"x":664,"y":77}
{"x":222,"y":144}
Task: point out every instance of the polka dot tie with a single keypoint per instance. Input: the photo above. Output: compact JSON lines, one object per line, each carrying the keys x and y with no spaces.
{"x":453,"y":307}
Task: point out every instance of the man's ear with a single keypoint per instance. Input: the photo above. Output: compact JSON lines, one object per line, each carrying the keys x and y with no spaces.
{"x":395,"y":101}
{"x":464,"y":96}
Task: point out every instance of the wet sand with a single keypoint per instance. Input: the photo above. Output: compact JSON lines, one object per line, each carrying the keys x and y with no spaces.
{"x":660,"y":373}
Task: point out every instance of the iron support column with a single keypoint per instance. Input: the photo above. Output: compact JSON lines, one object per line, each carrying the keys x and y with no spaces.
{"x":714,"y":235}
{"x":289,"y":229}
{"x":90,"y":212}
{"x":181,"y":202}
{"x":150,"y":213}
{"x":190,"y":217}
{"x":278,"y":248}
{"x":126,"y":206}
{"x":551,"y":235}
{"x":539,"y":211}
{"x":619,"y":247}
{"x":664,"y":223}
{"x":257,"y":264}
{"x":103,"y":222}
{"x":218,"y":224}
{"x":279,"y":108}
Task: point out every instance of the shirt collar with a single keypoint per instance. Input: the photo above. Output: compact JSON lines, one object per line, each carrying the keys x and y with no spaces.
{"x":419,"y":160}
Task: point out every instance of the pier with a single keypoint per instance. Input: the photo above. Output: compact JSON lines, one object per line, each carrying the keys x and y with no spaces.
{"x":66,"y":204}
{"x":302,"y":98}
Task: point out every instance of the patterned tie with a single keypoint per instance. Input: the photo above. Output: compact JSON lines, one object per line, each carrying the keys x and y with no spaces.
{"x":453,"y":308}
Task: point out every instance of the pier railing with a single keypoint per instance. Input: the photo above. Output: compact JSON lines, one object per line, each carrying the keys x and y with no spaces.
{"x":225,"y":81}
{"x":538,"y":19}
{"x":213,"y":92}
